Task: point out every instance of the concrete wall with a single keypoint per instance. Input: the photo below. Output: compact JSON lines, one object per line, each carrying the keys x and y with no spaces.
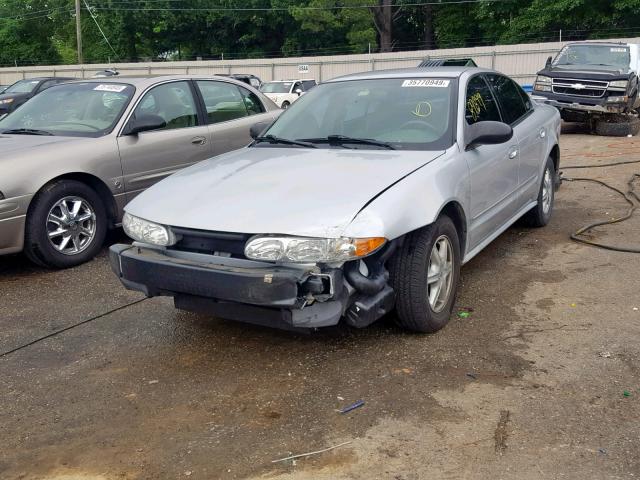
{"x":519,"y":61}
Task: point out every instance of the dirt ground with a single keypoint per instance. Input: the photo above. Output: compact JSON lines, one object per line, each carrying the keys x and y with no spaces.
{"x":540,"y":381}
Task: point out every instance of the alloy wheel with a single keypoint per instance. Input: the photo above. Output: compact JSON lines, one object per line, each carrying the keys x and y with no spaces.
{"x":71,"y":225}
{"x":440,"y":274}
{"x":547,"y":191}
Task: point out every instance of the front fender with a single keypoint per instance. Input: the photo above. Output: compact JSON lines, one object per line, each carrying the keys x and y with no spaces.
{"x":415,"y":201}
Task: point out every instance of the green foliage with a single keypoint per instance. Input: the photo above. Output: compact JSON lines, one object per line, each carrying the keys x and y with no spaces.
{"x":26,"y":39}
{"x":44,"y":32}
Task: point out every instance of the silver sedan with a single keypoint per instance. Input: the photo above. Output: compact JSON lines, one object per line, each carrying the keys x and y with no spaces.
{"x":73,"y":156}
{"x":368,"y":194}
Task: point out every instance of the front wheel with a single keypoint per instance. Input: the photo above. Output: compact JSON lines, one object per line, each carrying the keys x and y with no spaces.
{"x":285,"y":105}
{"x":66,"y":225}
{"x":425,"y":274}
{"x":540,"y":215}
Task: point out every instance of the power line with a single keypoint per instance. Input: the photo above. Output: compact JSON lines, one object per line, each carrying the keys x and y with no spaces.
{"x":33,"y":16}
{"x":98,"y":25}
{"x":285,"y":9}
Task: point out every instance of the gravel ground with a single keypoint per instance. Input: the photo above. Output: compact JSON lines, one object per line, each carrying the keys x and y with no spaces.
{"x":531,"y":385}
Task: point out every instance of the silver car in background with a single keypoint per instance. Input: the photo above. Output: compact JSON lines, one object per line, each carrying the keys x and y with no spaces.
{"x":367,"y":194}
{"x":73,"y":156}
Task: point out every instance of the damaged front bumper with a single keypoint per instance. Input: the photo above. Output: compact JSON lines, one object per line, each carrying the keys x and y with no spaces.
{"x":281,"y":296}
{"x":585,"y":106}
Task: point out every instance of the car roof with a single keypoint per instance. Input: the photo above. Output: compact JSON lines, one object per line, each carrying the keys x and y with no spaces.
{"x":416,"y":72}
{"x":292,"y":80}
{"x":144,"y":81}
{"x":45,"y":78}
{"x":604,"y":44}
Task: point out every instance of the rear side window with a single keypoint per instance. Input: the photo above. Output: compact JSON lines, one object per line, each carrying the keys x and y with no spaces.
{"x":308,"y":84}
{"x":47,"y":84}
{"x":480,"y":106}
{"x":510,"y":96}
{"x":223,"y":101}
{"x":251,"y":102}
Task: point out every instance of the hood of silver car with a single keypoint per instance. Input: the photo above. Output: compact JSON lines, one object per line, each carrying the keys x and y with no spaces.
{"x":296,"y":191}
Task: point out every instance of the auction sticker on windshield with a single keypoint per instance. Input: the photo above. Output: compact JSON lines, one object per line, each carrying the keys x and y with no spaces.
{"x":110,"y":88}
{"x":426,"y":82}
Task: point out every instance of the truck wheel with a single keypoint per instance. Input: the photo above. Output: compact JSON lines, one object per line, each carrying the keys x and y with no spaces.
{"x":618,"y":126}
{"x":285,"y":105}
{"x":540,"y":215}
{"x":66,"y":225}
{"x":424,"y":274}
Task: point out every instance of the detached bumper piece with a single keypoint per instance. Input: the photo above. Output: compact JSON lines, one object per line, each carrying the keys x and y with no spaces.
{"x":239,"y":289}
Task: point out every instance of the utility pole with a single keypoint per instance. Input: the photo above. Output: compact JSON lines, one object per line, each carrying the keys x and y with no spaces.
{"x":79,"y":32}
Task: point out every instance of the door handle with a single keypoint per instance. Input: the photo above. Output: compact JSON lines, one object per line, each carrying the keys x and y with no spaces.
{"x":513,"y":153}
{"x":543,"y":133}
{"x":198,"y":140}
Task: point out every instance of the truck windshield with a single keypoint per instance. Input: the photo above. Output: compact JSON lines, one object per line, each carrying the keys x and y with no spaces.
{"x":611,"y":55}
{"x":276,"y":87}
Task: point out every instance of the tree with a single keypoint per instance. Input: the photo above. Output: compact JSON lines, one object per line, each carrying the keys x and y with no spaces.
{"x":25,"y":33}
{"x":383,"y":16}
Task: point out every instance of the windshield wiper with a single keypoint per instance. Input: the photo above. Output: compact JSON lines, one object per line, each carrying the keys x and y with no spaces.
{"x":27,"y":131}
{"x":340,"y":140}
{"x":285,"y":141}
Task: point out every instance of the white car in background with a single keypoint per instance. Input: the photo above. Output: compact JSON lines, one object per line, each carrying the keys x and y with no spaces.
{"x":285,"y":92}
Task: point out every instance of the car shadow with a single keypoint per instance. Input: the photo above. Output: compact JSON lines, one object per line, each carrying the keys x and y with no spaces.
{"x":18,"y":265}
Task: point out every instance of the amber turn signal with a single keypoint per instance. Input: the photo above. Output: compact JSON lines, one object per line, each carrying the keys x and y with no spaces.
{"x":366,"y":246}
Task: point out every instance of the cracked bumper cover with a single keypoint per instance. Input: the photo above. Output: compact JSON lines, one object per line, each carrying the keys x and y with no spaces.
{"x":244,"y":290}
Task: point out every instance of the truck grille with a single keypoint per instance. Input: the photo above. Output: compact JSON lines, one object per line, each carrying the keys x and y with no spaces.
{"x":212,"y":243}
{"x":579,"y":88}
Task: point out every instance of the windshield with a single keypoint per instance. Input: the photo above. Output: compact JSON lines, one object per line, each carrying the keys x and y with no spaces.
{"x":77,"y":110}
{"x":411,"y":114}
{"x":615,"y":56}
{"x":276,"y":87}
{"x":23,"y":86}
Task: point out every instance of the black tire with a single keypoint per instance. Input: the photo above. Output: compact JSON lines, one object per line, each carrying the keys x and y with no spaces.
{"x":537,"y":216}
{"x":37,"y":246}
{"x":285,"y":105}
{"x":618,"y":127}
{"x":409,"y":269}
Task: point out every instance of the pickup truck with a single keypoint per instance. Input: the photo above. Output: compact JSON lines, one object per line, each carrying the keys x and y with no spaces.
{"x":590,"y":80}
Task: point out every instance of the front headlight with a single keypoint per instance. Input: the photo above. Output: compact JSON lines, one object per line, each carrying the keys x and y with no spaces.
{"x":147,"y":232}
{"x":619,"y":84}
{"x":6,"y":101}
{"x":311,"y":250}
{"x":543,"y":79}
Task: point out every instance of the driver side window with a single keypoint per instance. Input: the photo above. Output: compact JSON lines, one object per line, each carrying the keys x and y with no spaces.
{"x":171,"y":101}
{"x":480,"y":105}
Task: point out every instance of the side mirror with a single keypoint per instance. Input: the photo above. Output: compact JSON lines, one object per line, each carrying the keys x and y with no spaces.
{"x":298,"y":91}
{"x":145,"y":123}
{"x":487,"y":133}
{"x":548,"y":64}
{"x":258,"y":128}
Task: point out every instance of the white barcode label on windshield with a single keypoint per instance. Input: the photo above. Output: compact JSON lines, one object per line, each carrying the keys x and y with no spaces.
{"x":618,"y":50}
{"x":110,"y":88}
{"x":426,"y":82}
